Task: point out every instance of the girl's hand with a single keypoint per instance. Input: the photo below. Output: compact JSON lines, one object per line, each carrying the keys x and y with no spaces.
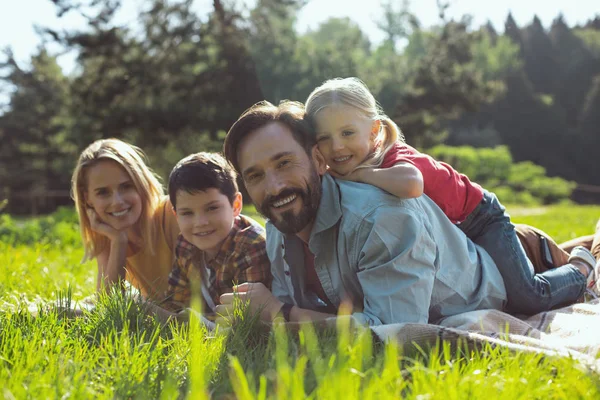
{"x":104,"y":229}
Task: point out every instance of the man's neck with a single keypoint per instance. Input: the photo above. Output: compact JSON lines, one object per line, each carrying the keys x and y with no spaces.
{"x":304,"y":234}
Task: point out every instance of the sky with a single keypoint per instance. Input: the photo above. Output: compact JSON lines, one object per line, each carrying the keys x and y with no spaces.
{"x":18,"y":17}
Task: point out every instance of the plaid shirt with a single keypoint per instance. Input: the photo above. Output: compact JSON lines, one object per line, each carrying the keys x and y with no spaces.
{"x":242,"y":258}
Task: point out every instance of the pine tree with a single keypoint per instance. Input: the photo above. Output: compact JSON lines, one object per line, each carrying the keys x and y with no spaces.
{"x":578,"y":68}
{"x":511,"y":29}
{"x":541,"y":63}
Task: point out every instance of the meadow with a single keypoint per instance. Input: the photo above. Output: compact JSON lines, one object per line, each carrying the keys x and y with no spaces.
{"x":116,"y":351}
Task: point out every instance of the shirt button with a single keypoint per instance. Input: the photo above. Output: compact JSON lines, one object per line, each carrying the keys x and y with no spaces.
{"x":287,"y":273}
{"x":282,"y":246}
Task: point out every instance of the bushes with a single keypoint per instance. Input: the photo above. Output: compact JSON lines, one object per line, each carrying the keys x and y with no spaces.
{"x":60,"y":227}
{"x":521,"y":183}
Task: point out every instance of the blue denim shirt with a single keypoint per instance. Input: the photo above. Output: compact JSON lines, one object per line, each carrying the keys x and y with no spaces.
{"x":394,"y":260}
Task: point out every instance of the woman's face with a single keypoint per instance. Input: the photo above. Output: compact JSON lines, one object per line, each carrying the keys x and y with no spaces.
{"x":113,"y":195}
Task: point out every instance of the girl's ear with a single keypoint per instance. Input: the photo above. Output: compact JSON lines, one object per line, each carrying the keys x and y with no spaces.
{"x":238,"y":203}
{"x":319,"y":161}
{"x":375,"y":129}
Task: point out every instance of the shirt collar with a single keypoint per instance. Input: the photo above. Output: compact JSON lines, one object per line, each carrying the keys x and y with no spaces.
{"x":330,"y":209}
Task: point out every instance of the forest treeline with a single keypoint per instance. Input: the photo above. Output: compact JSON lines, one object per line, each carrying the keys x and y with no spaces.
{"x":173,"y":81}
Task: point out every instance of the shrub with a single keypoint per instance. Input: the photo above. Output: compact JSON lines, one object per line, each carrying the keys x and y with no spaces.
{"x":59,"y":227}
{"x":521,"y":183}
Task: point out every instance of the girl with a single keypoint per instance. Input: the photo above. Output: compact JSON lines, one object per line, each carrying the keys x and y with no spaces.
{"x":126,"y":221}
{"x":362,"y":144}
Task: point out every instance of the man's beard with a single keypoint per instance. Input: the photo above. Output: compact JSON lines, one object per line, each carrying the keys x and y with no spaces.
{"x":288,"y":222}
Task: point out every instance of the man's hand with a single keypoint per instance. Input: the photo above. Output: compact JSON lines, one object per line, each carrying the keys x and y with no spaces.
{"x":259,"y":297}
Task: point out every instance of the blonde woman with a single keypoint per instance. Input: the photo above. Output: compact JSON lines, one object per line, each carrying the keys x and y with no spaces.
{"x":127,"y":223}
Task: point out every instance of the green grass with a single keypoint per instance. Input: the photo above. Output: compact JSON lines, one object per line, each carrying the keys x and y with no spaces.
{"x":561,"y":222}
{"x":119,"y":352}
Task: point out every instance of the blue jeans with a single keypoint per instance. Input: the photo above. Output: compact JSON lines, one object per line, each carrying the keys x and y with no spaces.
{"x":489,"y":226}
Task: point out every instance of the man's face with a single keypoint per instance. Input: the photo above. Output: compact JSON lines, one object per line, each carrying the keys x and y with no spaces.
{"x":282,"y":180}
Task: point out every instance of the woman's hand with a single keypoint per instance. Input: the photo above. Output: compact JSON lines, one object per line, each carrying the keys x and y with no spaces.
{"x":105,"y":229}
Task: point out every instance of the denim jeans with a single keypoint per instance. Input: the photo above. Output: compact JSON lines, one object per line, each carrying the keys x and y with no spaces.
{"x":489,"y":226}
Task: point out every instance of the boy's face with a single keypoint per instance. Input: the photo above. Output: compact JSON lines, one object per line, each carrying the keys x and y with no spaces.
{"x":205,"y":218}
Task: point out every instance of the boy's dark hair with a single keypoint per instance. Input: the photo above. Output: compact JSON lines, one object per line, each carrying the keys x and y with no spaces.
{"x":289,"y":113}
{"x":200,"y":172}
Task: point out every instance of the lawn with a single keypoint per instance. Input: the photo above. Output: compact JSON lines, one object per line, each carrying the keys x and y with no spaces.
{"x":118,"y":352}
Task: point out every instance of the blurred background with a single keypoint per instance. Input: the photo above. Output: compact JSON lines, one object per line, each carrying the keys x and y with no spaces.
{"x":508,"y":93}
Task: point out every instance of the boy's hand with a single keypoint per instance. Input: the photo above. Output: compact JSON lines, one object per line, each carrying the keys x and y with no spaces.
{"x":259,"y":297}
{"x":104,"y":229}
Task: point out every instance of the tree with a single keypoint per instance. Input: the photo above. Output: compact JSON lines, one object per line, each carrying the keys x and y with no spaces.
{"x":578,"y":67}
{"x":541,"y":62}
{"x":585,"y":150}
{"x":513,"y":32}
{"x":446,"y":84}
{"x":37,"y":150}
{"x":177,"y":75}
{"x":397,"y":24}
{"x":273,"y":46}
{"x":337,"y":48}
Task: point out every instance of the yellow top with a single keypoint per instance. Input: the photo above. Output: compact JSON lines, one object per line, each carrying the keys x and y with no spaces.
{"x":149,"y":271}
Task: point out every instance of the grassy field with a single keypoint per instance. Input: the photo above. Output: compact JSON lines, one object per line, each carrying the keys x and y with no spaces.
{"x":118,"y":352}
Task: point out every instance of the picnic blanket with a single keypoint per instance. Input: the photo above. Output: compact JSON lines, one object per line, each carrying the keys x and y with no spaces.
{"x":570,"y":331}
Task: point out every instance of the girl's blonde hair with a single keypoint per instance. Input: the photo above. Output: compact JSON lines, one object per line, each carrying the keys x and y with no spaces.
{"x":354,"y":93}
{"x":132,"y":159}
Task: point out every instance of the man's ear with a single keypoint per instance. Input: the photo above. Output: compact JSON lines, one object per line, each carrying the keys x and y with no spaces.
{"x":319,"y":160}
{"x":238,"y":203}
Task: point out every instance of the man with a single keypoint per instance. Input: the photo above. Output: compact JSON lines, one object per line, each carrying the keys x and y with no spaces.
{"x":332,"y":242}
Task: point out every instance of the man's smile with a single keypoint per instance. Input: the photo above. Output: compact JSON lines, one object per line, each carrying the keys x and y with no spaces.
{"x":285,"y":201}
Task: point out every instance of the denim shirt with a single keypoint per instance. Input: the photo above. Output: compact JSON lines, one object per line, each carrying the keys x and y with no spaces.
{"x":392,"y":260}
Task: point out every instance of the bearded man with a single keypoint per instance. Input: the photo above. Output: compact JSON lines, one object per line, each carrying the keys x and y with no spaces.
{"x":332,"y":242}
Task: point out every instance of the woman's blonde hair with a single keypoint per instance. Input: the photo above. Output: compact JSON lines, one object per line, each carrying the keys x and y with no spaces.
{"x":132,"y":159}
{"x":354,"y":93}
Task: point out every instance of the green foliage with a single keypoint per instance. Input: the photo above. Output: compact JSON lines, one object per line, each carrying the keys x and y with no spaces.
{"x":495,"y":57}
{"x":591,"y":38}
{"x":518,"y":183}
{"x":61,"y":227}
{"x":450,"y":79}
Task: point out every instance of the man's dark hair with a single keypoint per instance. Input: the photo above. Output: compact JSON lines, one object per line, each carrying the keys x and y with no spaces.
{"x":289,"y":113}
{"x":202,"y":171}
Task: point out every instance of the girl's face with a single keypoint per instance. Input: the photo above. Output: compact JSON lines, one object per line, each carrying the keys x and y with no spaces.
{"x":345,"y":137}
{"x":113,"y":195}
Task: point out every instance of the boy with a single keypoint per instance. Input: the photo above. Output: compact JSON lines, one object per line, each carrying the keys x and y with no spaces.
{"x":218,"y":247}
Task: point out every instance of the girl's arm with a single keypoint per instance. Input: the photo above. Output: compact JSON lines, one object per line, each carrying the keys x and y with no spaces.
{"x":403,"y":180}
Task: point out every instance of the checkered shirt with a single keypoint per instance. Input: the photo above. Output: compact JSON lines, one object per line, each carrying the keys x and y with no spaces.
{"x":242,"y":258}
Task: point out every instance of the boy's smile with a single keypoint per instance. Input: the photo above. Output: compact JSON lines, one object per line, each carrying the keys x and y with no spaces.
{"x":205,"y":218}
